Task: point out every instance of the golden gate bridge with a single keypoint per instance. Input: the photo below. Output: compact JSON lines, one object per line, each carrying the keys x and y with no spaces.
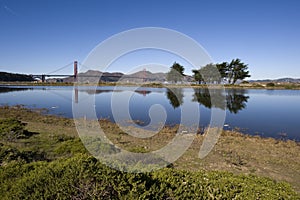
{"x":75,"y":74}
{"x":51,"y":74}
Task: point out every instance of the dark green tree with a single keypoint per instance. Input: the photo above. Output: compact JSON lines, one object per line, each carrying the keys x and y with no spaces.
{"x":197,"y":76}
{"x":176,"y":73}
{"x":230,"y":72}
{"x":237,"y":70}
{"x":207,"y":74}
{"x":223,"y":70}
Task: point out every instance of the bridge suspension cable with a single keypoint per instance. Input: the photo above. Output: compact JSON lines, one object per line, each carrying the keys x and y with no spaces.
{"x":84,"y":66}
{"x":60,"y":68}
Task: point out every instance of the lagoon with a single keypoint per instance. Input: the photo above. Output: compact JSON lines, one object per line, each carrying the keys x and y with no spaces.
{"x":267,"y":113}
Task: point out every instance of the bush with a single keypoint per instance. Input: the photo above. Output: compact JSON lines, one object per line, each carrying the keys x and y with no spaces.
{"x":71,"y":146}
{"x":83,"y":177}
{"x":9,"y":154}
{"x":257,"y":85}
{"x":270,"y":84}
{"x":11,"y":129}
{"x":291,"y":86}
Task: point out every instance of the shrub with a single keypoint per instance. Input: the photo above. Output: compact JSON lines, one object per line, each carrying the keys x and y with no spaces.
{"x":11,"y":129}
{"x":71,"y":146}
{"x":257,"y":85}
{"x":9,"y":154}
{"x":291,"y":86}
{"x":83,"y":177}
{"x":270,"y":84}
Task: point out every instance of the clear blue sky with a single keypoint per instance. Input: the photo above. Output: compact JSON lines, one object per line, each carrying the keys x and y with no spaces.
{"x":39,"y":36}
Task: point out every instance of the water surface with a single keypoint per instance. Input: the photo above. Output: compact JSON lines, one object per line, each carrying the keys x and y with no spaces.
{"x":268,"y":113}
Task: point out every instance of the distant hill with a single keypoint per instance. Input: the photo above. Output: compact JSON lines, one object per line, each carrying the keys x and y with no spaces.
{"x":280,"y":80}
{"x":145,"y":76}
{"x":92,"y":76}
{"x":10,"y":77}
{"x":140,"y":76}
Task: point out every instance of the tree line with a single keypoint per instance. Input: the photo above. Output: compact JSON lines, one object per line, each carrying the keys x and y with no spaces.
{"x":211,"y":73}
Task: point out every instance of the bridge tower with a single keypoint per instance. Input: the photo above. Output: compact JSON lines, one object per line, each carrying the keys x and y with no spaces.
{"x":75,"y":70}
{"x":43,"y":78}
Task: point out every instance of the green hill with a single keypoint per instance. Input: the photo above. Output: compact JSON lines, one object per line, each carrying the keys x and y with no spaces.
{"x":10,"y":77}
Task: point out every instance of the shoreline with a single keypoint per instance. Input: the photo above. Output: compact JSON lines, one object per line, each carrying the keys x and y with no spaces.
{"x":45,"y":111}
{"x":284,"y":86}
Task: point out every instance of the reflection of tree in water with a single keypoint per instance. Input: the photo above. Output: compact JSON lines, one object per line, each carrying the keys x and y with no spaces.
{"x":235,"y":99}
{"x":175,"y":96}
{"x":203,"y":96}
{"x":12,"y":89}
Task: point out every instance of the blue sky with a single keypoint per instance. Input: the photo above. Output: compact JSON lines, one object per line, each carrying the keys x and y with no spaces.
{"x":39,"y":36}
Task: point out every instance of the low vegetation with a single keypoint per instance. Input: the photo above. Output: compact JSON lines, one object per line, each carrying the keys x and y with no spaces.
{"x":83,"y":177}
{"x":46,"y":160}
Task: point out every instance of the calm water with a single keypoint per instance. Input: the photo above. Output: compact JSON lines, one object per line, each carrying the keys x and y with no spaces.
{"x":269,"y":113}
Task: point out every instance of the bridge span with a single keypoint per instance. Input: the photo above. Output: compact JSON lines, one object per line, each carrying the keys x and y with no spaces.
{"x":75,"y":74}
